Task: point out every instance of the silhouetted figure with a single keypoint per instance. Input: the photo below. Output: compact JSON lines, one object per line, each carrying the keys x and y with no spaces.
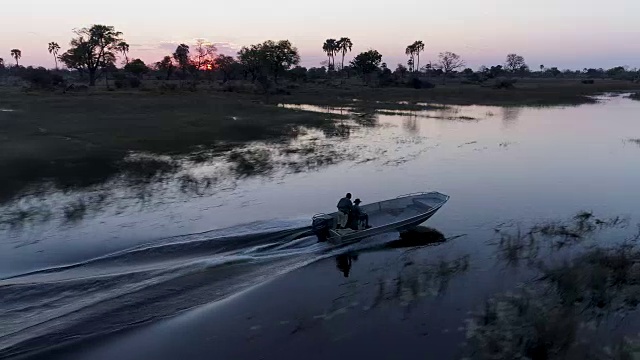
{"x":344,"y":209}
{"x":358,"y":215}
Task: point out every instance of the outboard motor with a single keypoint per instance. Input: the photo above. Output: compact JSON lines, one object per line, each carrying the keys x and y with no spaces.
{"x":321,"y":224}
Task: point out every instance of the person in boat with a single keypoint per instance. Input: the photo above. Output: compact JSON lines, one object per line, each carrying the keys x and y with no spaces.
{"x":359,"y":215}
{"x":344,"y":209}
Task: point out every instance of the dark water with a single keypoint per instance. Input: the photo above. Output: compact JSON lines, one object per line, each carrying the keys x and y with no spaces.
{"x":127,"y":261}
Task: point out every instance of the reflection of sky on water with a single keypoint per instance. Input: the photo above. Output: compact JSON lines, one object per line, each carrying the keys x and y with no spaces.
{"x":545,"y":162}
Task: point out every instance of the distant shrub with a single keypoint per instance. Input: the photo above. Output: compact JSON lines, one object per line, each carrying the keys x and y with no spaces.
{"x":241,"y":87}
{"x":117,"y":75}
{"x":41,"y":77}
{"x":265,"y":83}
{"x":57,"y":80}
{"x":168,"y":86}
{"x":416,"y":83}
{"x":588,"y":81}
{"x":134,"y":82}
{"x":76,"y":88}
{"x":280,"y":91}
{"x":119,"y":84}
{"x":474,"y":78}
{"x":504,"y":84}
{"x":635,"y":96}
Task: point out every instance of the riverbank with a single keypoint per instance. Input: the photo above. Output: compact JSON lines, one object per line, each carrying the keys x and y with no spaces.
{"x":80,"y":138}
{"x":524,"y":92}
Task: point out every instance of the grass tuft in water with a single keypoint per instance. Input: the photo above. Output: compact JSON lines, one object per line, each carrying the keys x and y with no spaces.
{"x":563,"y":312}
{"x":251,"y":161}
{"x":75,"y":211}
{"x":634,"y":96}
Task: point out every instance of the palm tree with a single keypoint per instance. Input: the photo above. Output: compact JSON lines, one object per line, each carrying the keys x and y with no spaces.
{"x":410,"y":64}
{"x":16,"y":54}
{"x":411,"y":51}
{"x":123,"y":47}
{"x":344,"y":45}
{"x":53,"y":49}
{"x":330,"y":46}
{"x":419,"y":47}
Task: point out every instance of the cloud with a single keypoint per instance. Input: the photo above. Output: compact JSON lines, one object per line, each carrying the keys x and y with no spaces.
{"x":224,"y":47}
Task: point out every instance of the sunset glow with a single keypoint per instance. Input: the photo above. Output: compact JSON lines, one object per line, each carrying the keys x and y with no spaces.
{"x":567,"y":34}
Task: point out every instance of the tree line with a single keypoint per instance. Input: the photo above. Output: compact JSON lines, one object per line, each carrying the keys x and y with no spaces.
{"x":93,"y":52}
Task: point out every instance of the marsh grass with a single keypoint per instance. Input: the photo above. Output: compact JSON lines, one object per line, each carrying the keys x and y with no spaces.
{"x":558,"y":316}
{"x":634,"y":96}
{"x":75,"y":211}
{"x":21,"y":216}
{"x":529,"y":92}
{"x":563,"y":311}
{"x":142,"y":168}
{"x":251,"y":161}
{"x":514,"y":247}
{"x":78,"y":140}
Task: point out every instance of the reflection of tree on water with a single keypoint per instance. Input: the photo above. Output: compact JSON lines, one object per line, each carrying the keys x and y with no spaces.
{"x":366,"y":119}
{"x":410,"y":123}
{"x":510,"y":114}
{"x":341,"y":130}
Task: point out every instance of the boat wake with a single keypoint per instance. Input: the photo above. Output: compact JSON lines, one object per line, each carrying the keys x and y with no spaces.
{"x":47,"y":307}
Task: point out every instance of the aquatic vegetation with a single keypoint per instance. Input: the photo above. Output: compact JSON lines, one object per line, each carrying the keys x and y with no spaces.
{"x":75,"y":211}
{"x":634,"y":96}
{"x":551,"y":236}
{"x":251,"y":161}
{"x":22,"y":215}
{"x":147,"y":167}
{"x":557,"y":315}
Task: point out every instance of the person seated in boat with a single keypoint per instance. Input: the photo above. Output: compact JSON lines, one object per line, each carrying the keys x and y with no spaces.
{"x":359,"y":215}
{"x":344,"y":209}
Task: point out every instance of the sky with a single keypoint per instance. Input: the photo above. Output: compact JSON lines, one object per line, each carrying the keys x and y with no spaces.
{"x":564,"y":33}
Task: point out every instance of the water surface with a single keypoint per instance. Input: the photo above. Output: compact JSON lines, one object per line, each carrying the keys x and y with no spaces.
{"x":95,"y":252}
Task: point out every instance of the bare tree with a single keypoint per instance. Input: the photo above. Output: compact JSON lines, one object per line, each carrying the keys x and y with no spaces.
{"x":449,"y":62}
{"x":204,"y":55}
{"x":514,"y":62}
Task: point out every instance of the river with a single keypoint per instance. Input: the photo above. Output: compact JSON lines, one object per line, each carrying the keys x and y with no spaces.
{"x":136,"y":254}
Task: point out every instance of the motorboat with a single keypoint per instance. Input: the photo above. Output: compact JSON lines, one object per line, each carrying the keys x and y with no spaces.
{"x":400,"y":214}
